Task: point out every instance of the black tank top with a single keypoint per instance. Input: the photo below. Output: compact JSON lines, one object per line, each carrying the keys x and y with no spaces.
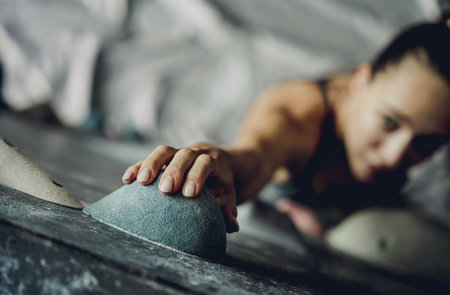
{"x":323,"y":86}
{"x":350,"y":196}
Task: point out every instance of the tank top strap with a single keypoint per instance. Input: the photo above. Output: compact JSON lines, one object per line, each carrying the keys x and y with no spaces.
{"x":323,"y":86}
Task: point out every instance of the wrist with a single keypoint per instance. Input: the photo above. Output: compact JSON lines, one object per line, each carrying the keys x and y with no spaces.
{"x":251,"y":171}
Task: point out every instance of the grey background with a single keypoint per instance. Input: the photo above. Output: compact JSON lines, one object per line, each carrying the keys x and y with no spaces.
{"x":178,"y":72}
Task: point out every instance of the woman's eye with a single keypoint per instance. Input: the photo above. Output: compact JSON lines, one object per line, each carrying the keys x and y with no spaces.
{"x":389,"y":123}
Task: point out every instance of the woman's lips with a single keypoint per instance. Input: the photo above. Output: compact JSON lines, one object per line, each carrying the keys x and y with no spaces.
{"x":373,"y":169}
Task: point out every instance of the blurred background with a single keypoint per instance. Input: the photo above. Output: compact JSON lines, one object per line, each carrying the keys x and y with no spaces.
{"x":182,"y":71}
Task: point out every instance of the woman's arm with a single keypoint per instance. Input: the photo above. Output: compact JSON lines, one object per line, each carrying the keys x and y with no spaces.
{"x":283,"y":127}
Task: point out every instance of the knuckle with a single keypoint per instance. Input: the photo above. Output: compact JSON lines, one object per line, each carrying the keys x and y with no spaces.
{"x":164,"y":148}
{"x":207,"y":159}
{"x":134,"y":167}
{"x":220,"y":156}
{"x":200,"y":145}
{"x":136,"y":164}
{"x":174,"y":169}
{"x":186,"y":152}
{"x":196,"y":175}
{"x":154,"y":164}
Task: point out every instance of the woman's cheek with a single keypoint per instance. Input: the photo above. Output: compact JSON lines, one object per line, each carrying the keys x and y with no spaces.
{"x":373,"y":131}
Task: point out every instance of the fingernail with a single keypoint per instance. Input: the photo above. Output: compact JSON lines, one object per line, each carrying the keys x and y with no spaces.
{"x":189,"y":189}
{"x":143,"y":175}
{"x":167,"y":184}
{"x":126,"y":175}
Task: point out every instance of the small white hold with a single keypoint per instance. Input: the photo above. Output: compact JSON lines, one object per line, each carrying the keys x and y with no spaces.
{"x":19,"y":172}
{"x":395,"y":239}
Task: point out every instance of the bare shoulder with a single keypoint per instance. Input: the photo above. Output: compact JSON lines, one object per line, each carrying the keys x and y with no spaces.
{"x":304,"y":99}
{"x":302,"y":104}
{"x":294,"y":113}
{"x":301,"y":100}
{"x":286,"y":122}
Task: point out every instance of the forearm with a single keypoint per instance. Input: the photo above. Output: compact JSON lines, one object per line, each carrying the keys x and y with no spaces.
{"x":267,"y":140}
{"x":255,"y":159}
{"x":251,"y":172}
{"x":281,"y":129}
{"x":256,"y":155}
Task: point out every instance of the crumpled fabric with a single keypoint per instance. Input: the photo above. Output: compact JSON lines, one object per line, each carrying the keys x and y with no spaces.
{"x":181,"y":71}
{"x":48,"y":50}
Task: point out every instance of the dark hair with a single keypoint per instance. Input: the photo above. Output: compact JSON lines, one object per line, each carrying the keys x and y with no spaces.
{"x":433,"y":39}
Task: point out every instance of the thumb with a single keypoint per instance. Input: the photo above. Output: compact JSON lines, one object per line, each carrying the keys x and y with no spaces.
{"x":228,"y":204}
{"x":231,"y":223}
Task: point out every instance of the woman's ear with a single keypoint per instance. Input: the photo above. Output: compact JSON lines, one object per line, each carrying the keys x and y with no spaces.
{"x":361,"y":77}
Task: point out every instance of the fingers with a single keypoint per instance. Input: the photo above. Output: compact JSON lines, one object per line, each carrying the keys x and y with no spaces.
{"x":231,"y":223}
{"x":195,"y":179}
{"x":146,"y":171}
{"x":186,"y":166}
{"x":151,"y":166}
{"x":189,"y":169}
{"x":173,"y":176}
{"x":228,"y":204}
{"x":131,"y":173}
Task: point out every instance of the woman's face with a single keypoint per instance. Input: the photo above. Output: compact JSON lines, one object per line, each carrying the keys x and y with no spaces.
{"x":394,"y":120}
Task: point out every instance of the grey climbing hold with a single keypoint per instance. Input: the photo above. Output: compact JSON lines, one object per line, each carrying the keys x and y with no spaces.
{"x":192,"y":225}
{"x":395,"y":239}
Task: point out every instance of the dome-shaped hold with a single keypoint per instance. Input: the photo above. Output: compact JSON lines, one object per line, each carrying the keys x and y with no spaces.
{"x":192,"y":225}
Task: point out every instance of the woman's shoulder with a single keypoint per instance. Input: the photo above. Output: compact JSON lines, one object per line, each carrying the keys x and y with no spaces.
{"x":309,"y":101}
{"x":301,"y":100}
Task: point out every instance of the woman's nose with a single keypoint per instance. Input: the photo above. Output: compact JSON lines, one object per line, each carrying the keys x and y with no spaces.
{"x":394,"y":150}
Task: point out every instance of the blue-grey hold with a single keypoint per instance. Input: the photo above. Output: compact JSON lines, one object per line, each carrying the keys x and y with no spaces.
{"x":192,"y":225}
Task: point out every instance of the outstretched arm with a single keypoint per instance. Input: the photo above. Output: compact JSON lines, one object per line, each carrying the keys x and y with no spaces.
{"x":283,"y":127}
